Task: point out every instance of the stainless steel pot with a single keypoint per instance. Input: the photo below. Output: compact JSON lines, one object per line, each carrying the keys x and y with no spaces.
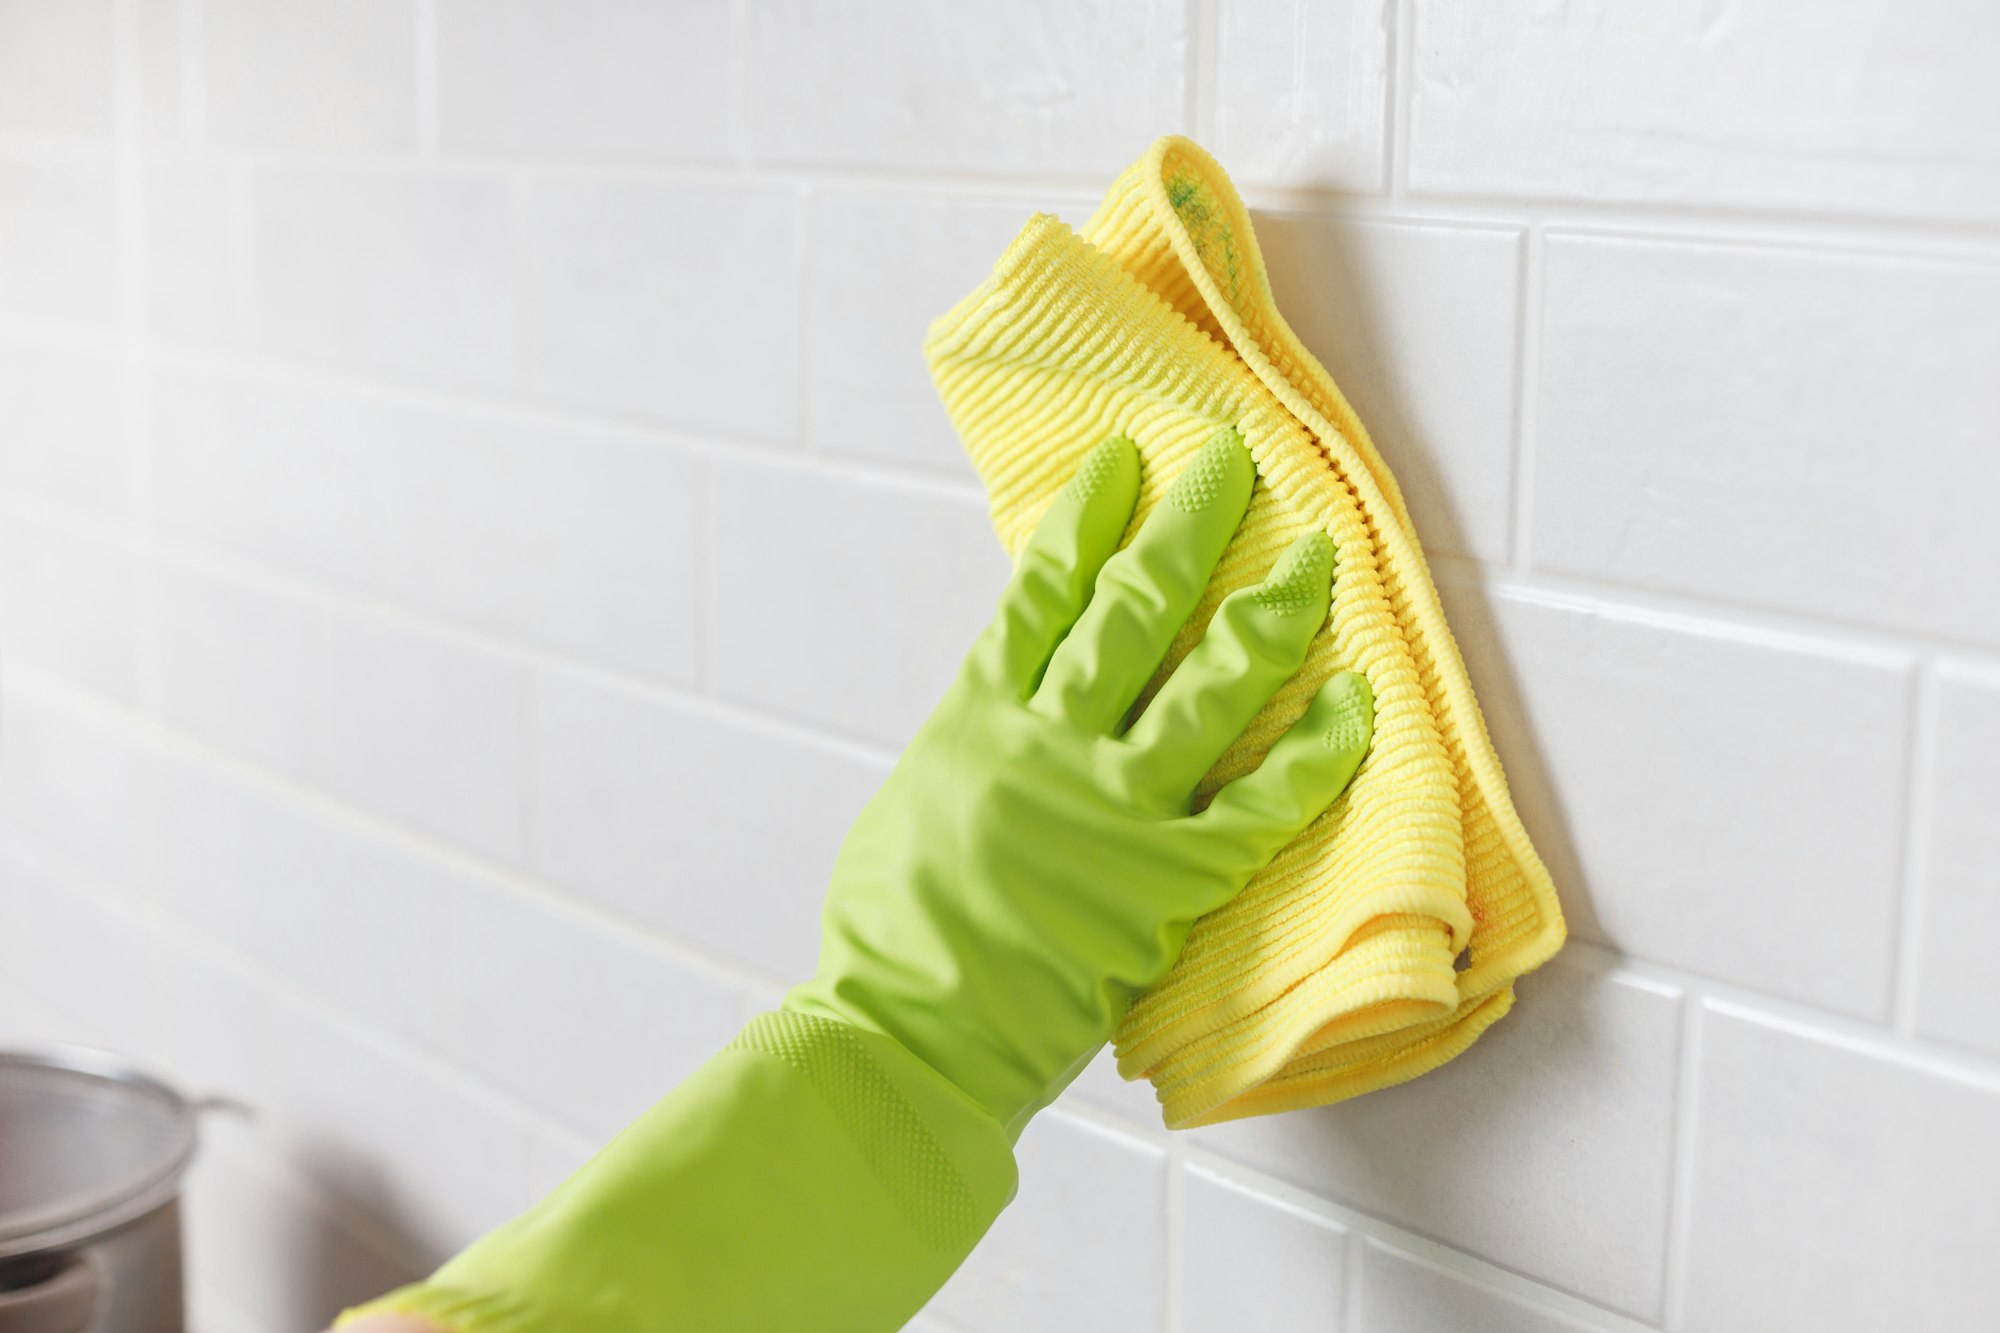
{"x":92,"y":1150}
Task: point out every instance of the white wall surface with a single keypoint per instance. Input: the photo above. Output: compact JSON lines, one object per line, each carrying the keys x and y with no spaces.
{"x":475,"y":527}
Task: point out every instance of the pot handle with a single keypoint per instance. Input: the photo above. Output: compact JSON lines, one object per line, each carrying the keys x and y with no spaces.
{"x":64,"y":1302}
{"x":221,"y":1103}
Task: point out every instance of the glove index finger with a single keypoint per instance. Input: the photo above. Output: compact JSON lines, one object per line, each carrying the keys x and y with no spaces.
{"x":1057,"y":569}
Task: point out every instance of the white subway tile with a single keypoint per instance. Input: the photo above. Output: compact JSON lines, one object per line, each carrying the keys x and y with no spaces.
{"x":846,"y":602}
{"x":316,"y":74}
{"x":161,"y":42}
{"x":1100,"y":1086}
{"x":881,"y":268}
{"x":585,"y":77}
{"x":56,"y":68}
{"x":65,"y":437}
{"x":554,"y":1157}
{"x":1698,"y":794}
{"x":218,"y":1028}
{"x":79,"y":784}
{"x":89,"y":970}
{"x":672,"y":300}
{"x":1813,"y":105}
{"x":1082,"y":1246}
{"x":58,"y":250}
{"x":1250,"y":1262}
{"x":264,"y":1245}
{"x":721,"y":833}
{"x":392,"y":1137}
{"x":975,"y":88}
{"x":1401,"y":1295}
{"x":583,"y":1020}
{"x":425,"y":731}
{"x":394,"y":721}
{"x":576,"y":539}
{"x":240,"y":667}
{"x":403,"y":273}
{"x":1547,"y":1147}
{"x":1301,"y":92}
{"x":1802,"y":430}
{"x":1419,"y":327}
{"x":1959,"y":896}
{"x":1836,"y":1191}
{"x":335,"y":910}
{"x":193,"y":250}
{"x":69,"y":601}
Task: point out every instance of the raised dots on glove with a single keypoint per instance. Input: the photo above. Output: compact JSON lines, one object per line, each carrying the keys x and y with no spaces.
{"x":1147,"y":590}
{"x":1255,"y":643}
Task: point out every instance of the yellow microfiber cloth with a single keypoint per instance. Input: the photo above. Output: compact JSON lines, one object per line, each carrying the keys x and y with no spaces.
{"x":1387,"y":937}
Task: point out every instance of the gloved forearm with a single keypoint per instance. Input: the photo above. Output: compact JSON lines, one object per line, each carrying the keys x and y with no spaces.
{"x":810,"y":1176}
{"x":1033,"y":862}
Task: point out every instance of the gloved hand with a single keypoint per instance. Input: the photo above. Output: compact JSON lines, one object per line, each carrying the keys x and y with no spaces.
{"x":1033,"y":863}
{"x":1030,"y":865}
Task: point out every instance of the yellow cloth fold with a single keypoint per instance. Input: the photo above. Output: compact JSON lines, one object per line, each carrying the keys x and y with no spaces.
{"x":1387,"y":937}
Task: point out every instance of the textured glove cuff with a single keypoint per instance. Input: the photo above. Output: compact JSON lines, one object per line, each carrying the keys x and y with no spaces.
{"x":931,"y":1146}
{"x":811,"y":1175}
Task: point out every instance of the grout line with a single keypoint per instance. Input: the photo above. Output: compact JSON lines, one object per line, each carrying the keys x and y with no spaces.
{"x":135,"y":370}
{"x":1963,"y":238}
{"x":328,"y":377}
{"x":1527,"y":396}
{"x":1176,"y":1206}
{"x":1782,"y":631}
{"x":420,"y":1062}
{"x":244,"y":315}
{"x":1364,"y":1227}
{"x":1401,"y":75}
{"x":1801,"y":1018}
{"x":415,"y":1057}
{"x":1204,"y":58}
{"x":804,"y":258}
{"x":195,"y":556}
{"x":273,"y":784}
{"x":1685,"y":613}
{"x":1749,"y":622}
{"x":424,"y":15}
{"x":738,"y":127}
{"x":525,"y":814}
{"x":1966,"y":1069}
{"x":1152,"y":1133}
{"x":1681,"y":1174}
{"x":703,"y":683}
{"x":527,"y":357}
{"x":1354,"y":1279}
{"x":1919,"y":777}
{"x":1514,"y":1299}
{"x":192,"y":60}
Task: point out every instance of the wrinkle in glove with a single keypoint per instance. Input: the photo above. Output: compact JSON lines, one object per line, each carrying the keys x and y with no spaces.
{"x":1383,"y":940}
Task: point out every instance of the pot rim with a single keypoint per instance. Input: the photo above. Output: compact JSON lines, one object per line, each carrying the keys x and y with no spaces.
{"x":64,"y":1226}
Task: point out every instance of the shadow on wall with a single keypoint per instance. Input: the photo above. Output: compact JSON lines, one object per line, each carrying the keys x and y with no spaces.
{"x":285,"y":1258}
{"x":1322,"y":287}
{"x":1547,"y":1147}
{"x":1450,"y":444}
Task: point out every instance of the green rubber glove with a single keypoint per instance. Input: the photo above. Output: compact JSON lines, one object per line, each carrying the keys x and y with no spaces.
{"x":1032,"y":863}
{"x":1029,"y":866}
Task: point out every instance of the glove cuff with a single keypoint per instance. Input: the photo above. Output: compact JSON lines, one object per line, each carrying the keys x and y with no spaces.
{"x":924,"y":1138}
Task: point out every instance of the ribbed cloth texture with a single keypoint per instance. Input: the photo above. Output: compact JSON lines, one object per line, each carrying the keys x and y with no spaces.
{"x":1387,"y":937}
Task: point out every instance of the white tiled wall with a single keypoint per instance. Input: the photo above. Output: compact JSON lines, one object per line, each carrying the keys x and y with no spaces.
{"x":474,"y":527}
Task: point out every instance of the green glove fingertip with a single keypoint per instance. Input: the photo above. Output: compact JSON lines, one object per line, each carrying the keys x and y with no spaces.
{"x":1257,"y":639}
{"x":1057,"y":568}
